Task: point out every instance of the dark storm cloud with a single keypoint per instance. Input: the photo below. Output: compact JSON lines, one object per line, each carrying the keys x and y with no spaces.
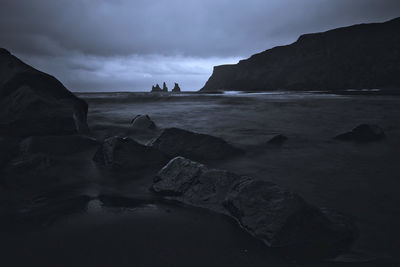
{"x":157,"y":39}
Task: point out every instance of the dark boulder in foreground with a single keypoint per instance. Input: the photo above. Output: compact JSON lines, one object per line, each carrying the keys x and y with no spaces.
{"x":364,"y":56}
{"x":278,"y":217}
{"x":178,"y":142}
{"x":363,"y":133}
{"x":57,"y":144}
{"x":35,"y":103}
{"x":278,"y":139}
{"x":125,"y":153}
{"x":143,"y":122}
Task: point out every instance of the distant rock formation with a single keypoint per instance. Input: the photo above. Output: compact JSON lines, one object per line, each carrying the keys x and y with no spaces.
{"x":178,"y":142}
{"x":364,"y":56}
{"x":176,"y":89}
{"x":278,"y":217}
{"x":165,"y":88}
{"x":156,"y":88}
{"x":35,"y":103}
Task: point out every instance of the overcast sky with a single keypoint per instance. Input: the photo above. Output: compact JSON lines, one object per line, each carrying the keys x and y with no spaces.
{"x":128,"y":45}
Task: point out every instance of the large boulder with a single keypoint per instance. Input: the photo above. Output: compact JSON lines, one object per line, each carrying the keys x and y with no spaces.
{"x":363,"y":133}
{"x":35,"y":103}
{"x":58,"y":144}
{"x":278,"y":217}
{"x":178,"y":142}
{"x":125,"y":153}
{"x":143,"y":122}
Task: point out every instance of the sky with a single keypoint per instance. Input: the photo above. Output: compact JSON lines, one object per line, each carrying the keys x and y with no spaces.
{"x":129,"y":45}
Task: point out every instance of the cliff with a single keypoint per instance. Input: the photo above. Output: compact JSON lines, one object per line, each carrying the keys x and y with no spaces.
{"x":364,"y":56}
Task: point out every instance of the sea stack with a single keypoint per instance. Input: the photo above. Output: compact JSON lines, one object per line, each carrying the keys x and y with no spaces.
{"x":176,"y":89}
{"x":165,"y":88}
{"x":156,"y":88}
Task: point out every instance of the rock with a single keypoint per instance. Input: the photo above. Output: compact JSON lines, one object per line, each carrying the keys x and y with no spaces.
{"x":363,"y":133}
{"x":165,"y":88}
{"x":176,"y":88}
{"x":278,"y":139}
{"x":177,"y":142}
{"x":282,"y":218}
{"x":143,"y":122}
{"x":278,"y":217}
{"x":57,"y":145}
{"x":332,"y":60}
{"x":35,"y":103}
{"x":156,"y":88}
{"x":8,"y":149}
{"x":31,"y":163}
{"x":125,"y":153}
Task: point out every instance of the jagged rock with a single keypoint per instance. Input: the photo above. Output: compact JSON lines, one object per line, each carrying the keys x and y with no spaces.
{"x":143,"y":122}
{"x":57,"y":145}
{"x":156,"y":88}
{"x":332,"y":60}
{"x":178,"y":142}
{"x":165,"y":88}
{"x":278,"y":139}
{"x":278,"y":217}
{"x":35,"y":103}
{"x":125,"y":153}
{"x":363,"y":133}
{"x":176,"y":88}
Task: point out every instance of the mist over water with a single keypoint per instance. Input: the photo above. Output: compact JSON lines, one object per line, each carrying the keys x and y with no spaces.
{"x":360,"y":180}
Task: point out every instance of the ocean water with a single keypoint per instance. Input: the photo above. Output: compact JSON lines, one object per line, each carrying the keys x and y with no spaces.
{"x":361,"y":180}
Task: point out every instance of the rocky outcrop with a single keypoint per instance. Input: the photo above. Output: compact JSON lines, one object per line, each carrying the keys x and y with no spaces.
{"x":35,"y":103}
{"x":364,"y":56}
{"x":125,"y":153}
{"x":363,"y":133}
{"x":143,"y":122}
{"x":278,"y":217}
{"x":176,"y":88}
{"x":156,"y":88}
{"x":178,"y":142}
{"x":164,"y":88}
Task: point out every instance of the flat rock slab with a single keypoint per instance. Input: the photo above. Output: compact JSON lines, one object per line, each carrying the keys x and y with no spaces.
{"x":125,"y":153}
{"x":178,"y":142}
{"x":278,"y":217}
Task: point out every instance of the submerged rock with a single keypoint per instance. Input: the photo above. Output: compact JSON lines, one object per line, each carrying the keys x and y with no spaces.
{"x":178,"y":142}
{"x":363,"y":133}
{"x":58,"y":145}
{"x":125,"y":153}
{"x":35,"y":103}
{"x":278,"y":139}
{"x":278,"y":217}
{"x":143,"y":122}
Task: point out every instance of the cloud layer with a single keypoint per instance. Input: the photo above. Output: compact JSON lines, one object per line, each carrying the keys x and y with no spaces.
{"x":128,"y":45}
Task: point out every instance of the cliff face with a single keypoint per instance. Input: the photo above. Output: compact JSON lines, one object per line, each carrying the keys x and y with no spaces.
{"x":356,"y":57}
